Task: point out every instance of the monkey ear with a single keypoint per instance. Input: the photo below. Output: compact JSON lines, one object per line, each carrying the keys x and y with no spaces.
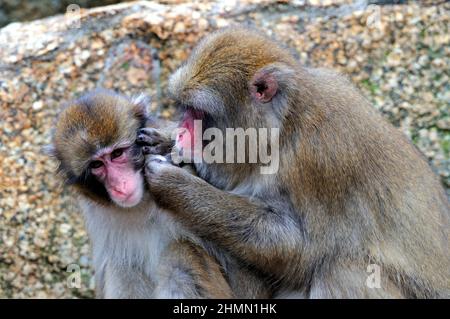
{"x":263,"y":86}
{"x":141,"y":104}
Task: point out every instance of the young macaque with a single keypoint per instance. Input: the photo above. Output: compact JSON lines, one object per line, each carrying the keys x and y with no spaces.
{"x":139,"y":250}
{"x":353,"y":211}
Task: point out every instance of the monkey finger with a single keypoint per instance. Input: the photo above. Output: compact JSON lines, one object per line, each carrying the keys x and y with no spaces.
{"x":146,"y":150}
{"x":151,"y":133}
{"x":154,"y":165}
{"x":157,"y":158}
{"x":157,"y":149}
{"x":148,"y":140}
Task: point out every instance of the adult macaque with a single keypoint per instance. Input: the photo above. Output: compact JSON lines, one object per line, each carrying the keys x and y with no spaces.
{"x":139,"y":250}
{"x":351,"y":190}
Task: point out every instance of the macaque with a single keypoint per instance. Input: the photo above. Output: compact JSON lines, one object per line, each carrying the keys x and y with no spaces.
{"x":353,"y":211}
{"x":139,"y":249}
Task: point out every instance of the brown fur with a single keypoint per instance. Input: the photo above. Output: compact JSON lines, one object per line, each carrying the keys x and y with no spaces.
{"x":205,"y":270}
{"x":180,"y":265}
{"x":351,"y":189}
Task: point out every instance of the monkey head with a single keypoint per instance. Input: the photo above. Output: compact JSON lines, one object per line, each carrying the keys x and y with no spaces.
{"x":94,"y":143}
{"x":235,"y":78}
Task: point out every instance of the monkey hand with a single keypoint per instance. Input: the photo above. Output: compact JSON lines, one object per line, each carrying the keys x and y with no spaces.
{"x":162,"y":176}
{"x":154,"y":140}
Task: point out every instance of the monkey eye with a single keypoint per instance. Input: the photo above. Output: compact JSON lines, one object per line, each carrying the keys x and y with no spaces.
{"x":96,"y":164}
{"x":117,"y":153}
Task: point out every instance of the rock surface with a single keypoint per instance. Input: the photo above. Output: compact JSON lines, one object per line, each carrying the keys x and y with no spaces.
{"x":20,"y":10}
{"x":399,"y":55}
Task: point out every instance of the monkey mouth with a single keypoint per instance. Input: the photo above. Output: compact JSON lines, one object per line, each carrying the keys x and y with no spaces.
{"x":191,"y":115}
{"x":188,"y":123}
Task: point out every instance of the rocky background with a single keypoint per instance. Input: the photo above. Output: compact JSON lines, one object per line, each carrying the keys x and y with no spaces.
{"x":399,"y":55}
{"x":23,"y":10}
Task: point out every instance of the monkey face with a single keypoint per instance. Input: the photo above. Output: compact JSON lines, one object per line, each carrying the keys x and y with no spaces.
{"x":114,"y":168}
{"x":95,"y":145}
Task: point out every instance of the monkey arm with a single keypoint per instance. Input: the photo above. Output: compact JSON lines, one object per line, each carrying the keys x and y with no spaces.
{"x":260,"y":234}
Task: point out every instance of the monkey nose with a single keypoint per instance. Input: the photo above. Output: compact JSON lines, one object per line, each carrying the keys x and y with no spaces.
{"x":118,"y":193}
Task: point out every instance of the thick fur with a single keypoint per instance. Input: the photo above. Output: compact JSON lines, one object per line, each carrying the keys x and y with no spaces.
{"x":138,"y":252}
{"x":144,"y":253}
{"x":351,"y":190}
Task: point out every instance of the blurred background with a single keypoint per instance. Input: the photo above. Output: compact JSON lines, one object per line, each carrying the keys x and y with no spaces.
{"x":397,"y":52}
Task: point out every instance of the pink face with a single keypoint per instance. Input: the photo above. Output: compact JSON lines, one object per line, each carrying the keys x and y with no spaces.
{"x":186,"y":138}
{"x":114,"y":168}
